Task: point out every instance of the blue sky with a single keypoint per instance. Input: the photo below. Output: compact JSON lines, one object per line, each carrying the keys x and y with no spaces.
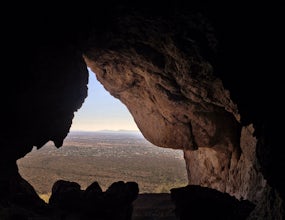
{"x":101,"y":111}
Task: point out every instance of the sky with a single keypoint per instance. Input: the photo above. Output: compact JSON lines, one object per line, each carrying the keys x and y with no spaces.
{"x":101,"y":111}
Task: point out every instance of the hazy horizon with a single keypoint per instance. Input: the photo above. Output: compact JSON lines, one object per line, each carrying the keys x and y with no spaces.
{"x":105,"y":157}
{"x":102,"y":111}
{"x":111,"y":130}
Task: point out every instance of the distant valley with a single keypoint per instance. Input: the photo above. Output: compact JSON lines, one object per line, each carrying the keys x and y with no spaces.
{"x":105,"y":157}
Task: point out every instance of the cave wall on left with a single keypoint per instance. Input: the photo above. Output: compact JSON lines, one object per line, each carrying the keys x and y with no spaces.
{"x":44,"y":81}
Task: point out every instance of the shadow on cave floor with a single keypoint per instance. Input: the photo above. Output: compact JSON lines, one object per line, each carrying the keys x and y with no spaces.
{"x":122,"y":201}
{"x":68,"y":201}
{"x":191,"y":202}
{"x":153,"y":206}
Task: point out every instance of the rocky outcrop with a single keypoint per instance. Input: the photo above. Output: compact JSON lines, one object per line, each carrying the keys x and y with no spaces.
{"x":70,"y":201}
{"x":243,"y":179}
{"x":175,"y":91}
{"x":169,"y":89}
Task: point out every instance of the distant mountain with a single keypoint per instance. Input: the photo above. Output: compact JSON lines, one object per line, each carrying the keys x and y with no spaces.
{"x":107,"y":131}
{"x":122,"y":130}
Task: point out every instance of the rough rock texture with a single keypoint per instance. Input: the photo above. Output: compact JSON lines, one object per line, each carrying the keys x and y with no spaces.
{"x":200,"y":78}
{"x":173,"y":87}
{"x":207,"y":167}
{"x":169,"y":89}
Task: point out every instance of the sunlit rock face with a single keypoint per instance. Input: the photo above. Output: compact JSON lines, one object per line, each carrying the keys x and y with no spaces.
{"x":157,"y":70}
{"x":169,"y":87}
{"x":163,"y":73}
{"x":185,"y":94}
{"x":208,"y":167}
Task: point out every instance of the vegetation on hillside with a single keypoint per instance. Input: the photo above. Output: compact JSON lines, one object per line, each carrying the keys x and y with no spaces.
{"x":105,"y":159}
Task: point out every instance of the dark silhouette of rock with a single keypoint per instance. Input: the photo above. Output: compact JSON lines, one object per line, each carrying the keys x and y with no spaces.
{"x":94,"y":188}
{"x":199,"y":203}
{"x":19,"y":200}
{"x":152,"y":206}
{"x":116,"y":201}
{"x":65,"y":195}
{"x":123,"y":192}
{"x":70,"y":201}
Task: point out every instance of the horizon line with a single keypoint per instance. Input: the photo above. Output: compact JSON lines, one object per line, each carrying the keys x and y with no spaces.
{"x":111,"y":130}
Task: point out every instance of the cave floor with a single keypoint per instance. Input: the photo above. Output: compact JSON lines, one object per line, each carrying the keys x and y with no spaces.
{"x":153,"y":206}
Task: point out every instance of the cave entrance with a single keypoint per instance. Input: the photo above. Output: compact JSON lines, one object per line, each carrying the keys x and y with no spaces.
{"x":104,"y":145}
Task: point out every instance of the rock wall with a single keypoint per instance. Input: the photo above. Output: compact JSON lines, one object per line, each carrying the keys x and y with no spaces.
{"x":243,"y":179}
{"x":170,"y":90}
{"x":186,"y":89}
{"x":44,"y":83}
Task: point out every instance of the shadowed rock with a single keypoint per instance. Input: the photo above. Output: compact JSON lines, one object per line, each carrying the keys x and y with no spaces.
{"x":65,"y":195}
{"x":196,"y":203}
{"x":19,"y":200}
{"x":70,"y":201}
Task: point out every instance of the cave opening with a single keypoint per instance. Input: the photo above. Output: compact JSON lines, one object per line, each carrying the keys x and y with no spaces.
{"x":198,"y":71}
{"x":104,"y":145}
